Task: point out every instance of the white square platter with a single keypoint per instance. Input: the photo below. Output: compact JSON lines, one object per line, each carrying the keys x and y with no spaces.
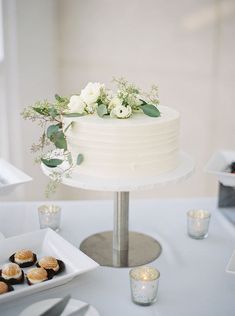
{"x":219,"y":163}
{"x":231,"y":264}
{"x":10,"y":177}
{"x":44,"y":242}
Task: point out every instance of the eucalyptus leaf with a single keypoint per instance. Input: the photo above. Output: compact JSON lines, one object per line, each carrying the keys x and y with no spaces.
{"x":59,"y":140}
{"x":52,"y":163}
{"x":150,"y":110}
{"x":102,"y":110}
{"x":53,"y":112}
{"x":73,"y":115}
{"x":79,"y":159}
{"x":70,"y":159}
{"x":144,"y":102}
{"x":52,"y":129}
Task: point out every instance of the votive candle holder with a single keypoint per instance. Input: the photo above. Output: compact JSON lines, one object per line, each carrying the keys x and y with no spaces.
{"x":198,"y":223}
{"x":49,"y":216}
{"x":144,"y":285}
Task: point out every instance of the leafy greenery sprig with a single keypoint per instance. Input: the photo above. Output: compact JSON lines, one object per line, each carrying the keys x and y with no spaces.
{"x":49,"y":118}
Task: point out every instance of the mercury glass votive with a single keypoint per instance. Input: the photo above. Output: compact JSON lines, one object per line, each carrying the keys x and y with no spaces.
{"x":49,"y":216}
{"x":198,"y":223}
{"x":144,"y":285}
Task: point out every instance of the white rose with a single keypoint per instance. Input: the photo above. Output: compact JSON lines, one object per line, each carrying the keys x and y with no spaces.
{"x":114,"y":102}
{"x":91,"y":92}
{"x":91,"y":108}
{"x":121,"y":111}
{"x":76,"y":104}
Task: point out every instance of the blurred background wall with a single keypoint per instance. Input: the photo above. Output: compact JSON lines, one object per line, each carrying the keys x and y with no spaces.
{"x":187,"y":47}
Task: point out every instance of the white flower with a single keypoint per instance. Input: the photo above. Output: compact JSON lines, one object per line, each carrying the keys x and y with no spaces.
{"x":76,"y":104}
{"x":121,"y":111}
{"x":114,"y":102}
{"x":91,"y":108}
{"x":91,"y":92}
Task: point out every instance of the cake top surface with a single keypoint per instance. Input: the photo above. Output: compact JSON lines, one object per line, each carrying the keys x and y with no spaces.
{"x":167,"y":114}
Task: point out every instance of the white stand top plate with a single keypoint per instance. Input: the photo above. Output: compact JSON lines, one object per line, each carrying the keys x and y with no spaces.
{"x":184,"y":170}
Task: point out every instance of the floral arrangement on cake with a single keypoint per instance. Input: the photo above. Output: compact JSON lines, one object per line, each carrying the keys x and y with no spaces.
{"x":95,"y":98}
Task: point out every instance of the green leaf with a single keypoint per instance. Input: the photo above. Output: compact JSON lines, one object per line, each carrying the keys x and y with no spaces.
{"x":59,"y":140}
{"x":70,"y":159}
{"x":42,"y":111}
{"x":73,"y":115}
{"x":59,"y":98}
{"x":143,"y":102}
{"x":52,"y":129}
{"x":53,"y":112}
{"x":52,"y":163}
{"x":102,"y":110}
{"x":150,"y":110}
{"x":79,"y":159}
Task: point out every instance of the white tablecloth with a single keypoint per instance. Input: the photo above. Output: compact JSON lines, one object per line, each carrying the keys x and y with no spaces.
{"x":193,"y":278}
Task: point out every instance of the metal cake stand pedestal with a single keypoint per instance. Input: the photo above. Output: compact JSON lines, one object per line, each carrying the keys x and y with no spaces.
{"x":121,"y":248}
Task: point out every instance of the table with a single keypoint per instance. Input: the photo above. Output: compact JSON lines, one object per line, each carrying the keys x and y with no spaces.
{"x":193,"y":278}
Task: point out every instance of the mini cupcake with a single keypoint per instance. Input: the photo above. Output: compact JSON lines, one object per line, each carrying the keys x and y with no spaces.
{"x":37,"y":275}
{"x":5,"y":287}
{"x":51,"y":264}
{"x":24,"y":258}
{"x":12,"y":273}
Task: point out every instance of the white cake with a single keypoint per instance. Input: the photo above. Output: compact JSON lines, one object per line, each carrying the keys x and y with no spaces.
{"x":132,"y":148}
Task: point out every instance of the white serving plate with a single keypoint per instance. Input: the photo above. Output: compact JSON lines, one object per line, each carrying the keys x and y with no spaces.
{"x":45,"y":242}
{"x":40,"y":307}
{"x":231,"y":264}
{"x":10,"y":177}
{"x":219,"y":163}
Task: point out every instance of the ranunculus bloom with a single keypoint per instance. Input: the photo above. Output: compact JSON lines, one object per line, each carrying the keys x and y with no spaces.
{"x":121,"y":111}
{"x":91,"y":92}
{"x":76,"y":104}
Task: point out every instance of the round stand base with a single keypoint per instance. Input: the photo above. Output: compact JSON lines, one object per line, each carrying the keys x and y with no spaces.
{"x":142,"y":250}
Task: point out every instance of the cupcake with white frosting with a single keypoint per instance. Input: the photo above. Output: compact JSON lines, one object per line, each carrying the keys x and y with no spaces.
{"x":51,"y":264}
{"x":37,"y":275}
{"x":24,"y":258}
{"x":12,"y":273}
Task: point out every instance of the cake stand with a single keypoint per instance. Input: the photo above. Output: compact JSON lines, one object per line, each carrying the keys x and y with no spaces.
{"x":121,"y":248}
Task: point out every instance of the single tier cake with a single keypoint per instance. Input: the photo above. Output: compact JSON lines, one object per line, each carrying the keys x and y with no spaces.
{"x":139,"y":146}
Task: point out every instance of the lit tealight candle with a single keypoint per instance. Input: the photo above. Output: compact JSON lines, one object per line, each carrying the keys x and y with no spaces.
{"x":198,"y":223}
{"x":144,"y":284}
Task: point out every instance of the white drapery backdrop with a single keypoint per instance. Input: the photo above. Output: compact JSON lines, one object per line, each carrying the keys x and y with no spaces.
{"x":56,"y":46}
{"x":11,"y":131}
{"x":3,"y":117}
